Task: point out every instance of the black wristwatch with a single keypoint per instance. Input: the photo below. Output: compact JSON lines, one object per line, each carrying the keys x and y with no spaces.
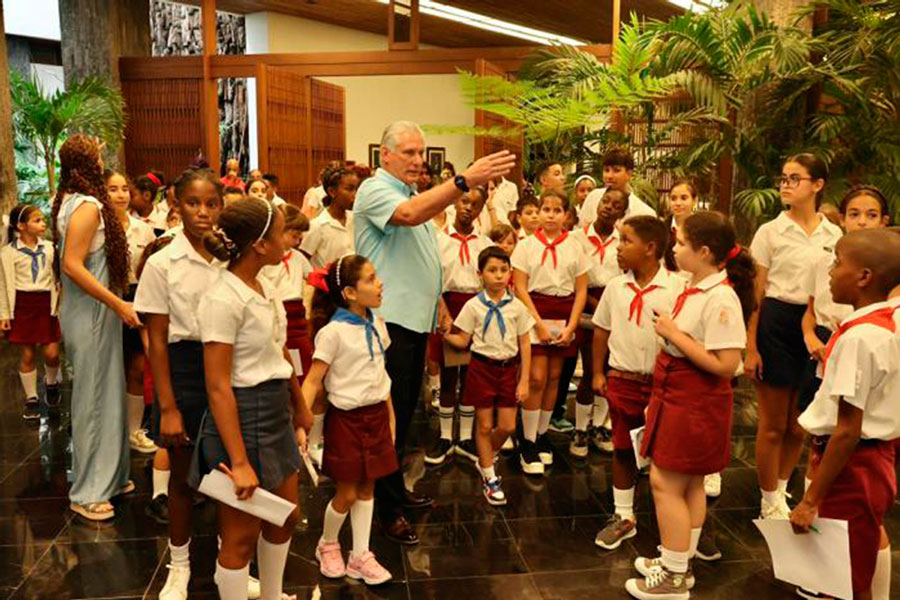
{"x":460,"y":182}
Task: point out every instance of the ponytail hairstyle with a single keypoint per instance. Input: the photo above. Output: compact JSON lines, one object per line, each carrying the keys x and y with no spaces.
{"x":816,"y":168}
{"x":331,"y":179}
{"x":240,"y":226}
{"x":715,"y":231}
{"x":18,"y":215}
{"x":146,"y":183}
{"x":854,"y":192}
{"x":342,"y":273}
{"x":80,"y":172}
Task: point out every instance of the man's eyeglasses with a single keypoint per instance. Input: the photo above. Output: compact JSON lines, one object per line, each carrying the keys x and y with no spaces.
{"x":790,"y":181}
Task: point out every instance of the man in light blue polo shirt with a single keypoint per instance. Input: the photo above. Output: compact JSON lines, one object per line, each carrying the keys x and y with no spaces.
{"x":393,"y":230}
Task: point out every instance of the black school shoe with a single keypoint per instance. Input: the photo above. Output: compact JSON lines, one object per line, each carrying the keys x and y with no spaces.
{"x":32,"y":409}
{"x":53,"y":396}
{"x":158,"y":509}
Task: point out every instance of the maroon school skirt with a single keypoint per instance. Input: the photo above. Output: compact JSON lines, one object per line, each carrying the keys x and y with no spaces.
{"x":627,"y":400}
{"x":554,"y":308}
{"x":298,"y":334}
{"x":688,"y":419}
{"x":358,"y":444}
{"x":32,"y":322}
{"x":862,"y":494}
{"x":491,"y":384}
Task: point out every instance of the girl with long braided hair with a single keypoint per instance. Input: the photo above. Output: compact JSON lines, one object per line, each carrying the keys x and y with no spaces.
{"x":93,"y":262}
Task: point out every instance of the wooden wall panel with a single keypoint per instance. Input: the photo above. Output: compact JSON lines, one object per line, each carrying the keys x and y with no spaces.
{"x":328,"y":129}
{"x":164,"y":130}
{"x":287,"y":131}
{"x":485,"y":145}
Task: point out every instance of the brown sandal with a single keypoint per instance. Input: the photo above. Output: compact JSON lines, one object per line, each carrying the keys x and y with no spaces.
{"x":94,"y":511}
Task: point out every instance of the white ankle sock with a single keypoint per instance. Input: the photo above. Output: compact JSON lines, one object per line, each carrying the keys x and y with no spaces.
{"x":674,"y":562}
{"x":232,"y":583}
{"x":180,"y":555}
{"x":624,"y":502}
{"x":601,"y":409}
{"x":315,"y":433}
{"x":135,"y":405}
{"x":51,"y":375}
{"x":361,"y":523}
{"x":434,"y":382}
{"x":583,"y":416}
{"x":530,"y":420}
{"x":29,"y":384}
{"x":881,"y":582}
{"x":782,"y":486}
{"x":271,"y":558}
{"x":466,"y":419}
{"x":488,"y":472}
{"x":544,"y":421}
{"x":160,"y":482}
{"x":445,"y":416}
{"x":333,"y":523}
{"x":695,"y":540}
{"x":771,"y":498}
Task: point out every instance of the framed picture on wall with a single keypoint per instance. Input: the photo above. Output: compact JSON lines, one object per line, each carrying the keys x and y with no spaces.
{"x":374,"y":156}
{"x":435,"y":157}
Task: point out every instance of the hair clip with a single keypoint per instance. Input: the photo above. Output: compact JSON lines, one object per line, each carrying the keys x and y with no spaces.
{"x":268,"y":221}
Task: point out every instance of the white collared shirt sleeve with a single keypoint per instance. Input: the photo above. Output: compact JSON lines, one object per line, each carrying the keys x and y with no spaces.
{"x":723,"y":321}
{"x":152,"y":294}
{"x":761,"y":246}
{"x":603,"y":315}
{"x":220,"y":320}
{"x":328,"y":342}
{"x":467,"y":319}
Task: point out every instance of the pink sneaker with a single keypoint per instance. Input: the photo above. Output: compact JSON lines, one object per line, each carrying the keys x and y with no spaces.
{"x":331,"y":563}
{"x":368,"y":569}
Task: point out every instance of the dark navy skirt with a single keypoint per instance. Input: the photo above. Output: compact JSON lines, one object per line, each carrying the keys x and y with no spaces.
{"x":810,"y":383}
{"x":268,"y":431}
{"x":779,"y":339}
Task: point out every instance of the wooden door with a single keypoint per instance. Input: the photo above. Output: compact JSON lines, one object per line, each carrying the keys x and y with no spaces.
{"x":485,"y":145}
{"x":328,"y":125}
{"x":283,"y":129}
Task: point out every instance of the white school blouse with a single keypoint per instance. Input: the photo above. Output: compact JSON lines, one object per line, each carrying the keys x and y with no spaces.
{"x":231,"y":312}
{"x":139,"y":235}
{"x":784,"y":248}
{"x":354,"y":379}
{"x":634,"y":347}
{"x":328,"y":240}
{"x":604,"y":263}
{"x":288,"y":277}
{"x":545,"y":278}
{"x":895,"y":303}
{"x":172,"y":283}
{"x":13,"y":270}
{"x":588,"y":212}
{"x":713,"y":317}
{"x":864,"y":371}
{"x":491,"y":343}
{"x":457,"y":275}
{"x":829,"y":313}
{"x":24,"y":282}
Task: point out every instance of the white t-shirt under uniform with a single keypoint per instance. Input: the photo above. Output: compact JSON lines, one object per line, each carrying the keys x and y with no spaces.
{"x":713,"y":316}
{"x":460,"y":270}
{"x":355,"y":378}
{"x":864,"y":371}
{"x":633,"y":342}
{"x":172,"y":283}
{"x":546,"y":278}
{"x":492,"y":343}
{"x":784,"y":248}
{"x":256,"y":326}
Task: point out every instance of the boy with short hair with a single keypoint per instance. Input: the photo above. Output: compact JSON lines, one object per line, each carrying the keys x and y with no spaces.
{"x":272,"y":192}
{"x":618,"y":169}
{"x":528,"y":215}
{"x":497,"y":324}
{"x":856,"y":412}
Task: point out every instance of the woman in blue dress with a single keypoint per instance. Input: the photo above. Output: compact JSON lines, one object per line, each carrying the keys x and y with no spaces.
{"x":93,"y":263}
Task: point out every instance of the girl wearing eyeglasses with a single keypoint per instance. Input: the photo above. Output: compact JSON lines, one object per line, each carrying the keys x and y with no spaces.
{"x":784,"y":249}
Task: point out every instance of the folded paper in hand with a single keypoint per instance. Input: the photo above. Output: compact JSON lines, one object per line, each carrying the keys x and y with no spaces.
{"x":554,"y":326}
{"x":262,"y":504}
{"x":637,"y":440}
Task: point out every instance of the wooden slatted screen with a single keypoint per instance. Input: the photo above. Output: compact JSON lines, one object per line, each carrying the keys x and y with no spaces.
{"x":285,"y":132}
{"x":328,"y":130}
{"x":485,"y":145}
{"x":164,"y":130}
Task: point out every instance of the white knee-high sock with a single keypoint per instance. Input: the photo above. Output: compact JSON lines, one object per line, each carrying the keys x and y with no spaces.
{"x":466,"y":419}
{"x":29,"y":384}
{"x":881,"y":582}
{"x":51,"y":375}
{"x":180,"y":555}
{"x":270,"y":559}
{"x":583,"y":416}
{"x":333,"y":523}
{"x":232,"y":583}
{"x":135,"y":405}
{"x":544,"y":422}
{"x":160,"y":482}
{"x":445,"y":416}
{"x":695,"y":541}
{"x":315,"y":434}
{"x":530,"y":420}
{"x":361,"y":523}
{"x":623,"y":500}
{"x":601,"y":409}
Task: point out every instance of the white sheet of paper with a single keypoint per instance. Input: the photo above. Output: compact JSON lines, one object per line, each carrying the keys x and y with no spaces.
{"x":816,"y":561}
{"x":310,"y":468}
{"x":262,"y":504}
{"x":554,"y":325}
{"x":295,"y":358}
{"x":637,"y":440}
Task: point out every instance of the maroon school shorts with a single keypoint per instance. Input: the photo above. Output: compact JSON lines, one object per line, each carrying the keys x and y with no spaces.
{"x":490,"y":384}
{"x":298,"y":334}
{"x":627,"y":400}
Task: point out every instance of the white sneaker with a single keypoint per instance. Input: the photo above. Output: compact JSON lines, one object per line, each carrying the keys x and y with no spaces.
{"x":253,"y":589}
{"x":713,"y":485}
{"x":177,"y":580}
{"x":141,"y":443}
{"x":509,"y":445}
{"x":774,"y":511}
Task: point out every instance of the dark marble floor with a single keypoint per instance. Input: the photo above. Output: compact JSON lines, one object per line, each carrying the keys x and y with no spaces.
{"x":539,"y":546}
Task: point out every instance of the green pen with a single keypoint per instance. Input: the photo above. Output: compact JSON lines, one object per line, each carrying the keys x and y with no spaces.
{"x":814,"y":528}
